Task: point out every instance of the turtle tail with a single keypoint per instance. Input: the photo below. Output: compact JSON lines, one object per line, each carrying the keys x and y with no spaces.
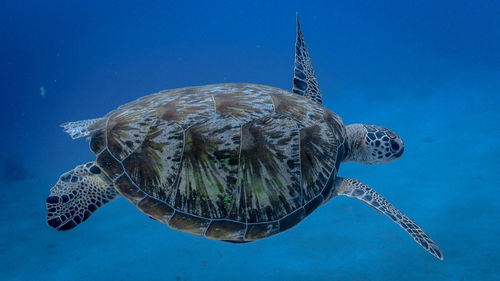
{"x":78,"y":194}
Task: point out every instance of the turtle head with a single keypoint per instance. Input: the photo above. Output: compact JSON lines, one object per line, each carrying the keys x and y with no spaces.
{"x":372,"y":144}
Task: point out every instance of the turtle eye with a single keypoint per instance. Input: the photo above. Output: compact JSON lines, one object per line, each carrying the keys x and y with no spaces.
{"x":394,"y":145}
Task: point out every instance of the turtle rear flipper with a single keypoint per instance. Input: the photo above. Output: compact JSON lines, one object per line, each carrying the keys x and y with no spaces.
{"x":82,"y":128}
{"x":354,"y":188}
{"x":78,"y":194}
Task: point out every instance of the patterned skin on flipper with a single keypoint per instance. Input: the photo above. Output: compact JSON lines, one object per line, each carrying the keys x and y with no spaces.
{"x":82,"y":128}
{"x":78,"y":194}
{"x":305,"y":82}
{"x":198,"y":163}
{"x":356,"y":189}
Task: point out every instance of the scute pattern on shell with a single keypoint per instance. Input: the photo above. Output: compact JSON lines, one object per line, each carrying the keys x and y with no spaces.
{"x":270,"y":168}
{"x":210,"y":168}
{"x":230,"y":161}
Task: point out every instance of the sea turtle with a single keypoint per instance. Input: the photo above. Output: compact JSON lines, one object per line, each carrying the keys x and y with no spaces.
{"x":231,"y":162}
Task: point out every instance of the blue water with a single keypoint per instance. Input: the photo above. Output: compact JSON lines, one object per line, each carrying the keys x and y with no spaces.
{"x":430,"y":71}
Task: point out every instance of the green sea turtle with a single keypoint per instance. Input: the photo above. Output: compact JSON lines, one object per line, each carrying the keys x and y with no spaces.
{"x":231,"y":162}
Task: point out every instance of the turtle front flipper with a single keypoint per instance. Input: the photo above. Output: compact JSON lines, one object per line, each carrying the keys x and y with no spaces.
{"x":305,"y":82}
{"x":78,"y":194}
{"x":354,"y":188}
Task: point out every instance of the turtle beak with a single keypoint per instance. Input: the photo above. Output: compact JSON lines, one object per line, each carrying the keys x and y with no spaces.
{"x":399,"y":153}
{"x":397,"y":147}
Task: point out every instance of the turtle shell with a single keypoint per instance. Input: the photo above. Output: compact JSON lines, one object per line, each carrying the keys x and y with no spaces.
{"x":235,"y":162}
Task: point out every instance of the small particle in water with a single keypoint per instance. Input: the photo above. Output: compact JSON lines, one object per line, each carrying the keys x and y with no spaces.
{"x":42,"y":91}
{"x":427,"y":139}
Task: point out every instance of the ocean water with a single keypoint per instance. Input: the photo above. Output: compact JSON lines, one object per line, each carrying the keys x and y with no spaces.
{"x":430,"y":71}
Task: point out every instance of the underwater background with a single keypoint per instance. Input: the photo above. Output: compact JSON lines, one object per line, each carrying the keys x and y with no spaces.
{"x":430,"y":70}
